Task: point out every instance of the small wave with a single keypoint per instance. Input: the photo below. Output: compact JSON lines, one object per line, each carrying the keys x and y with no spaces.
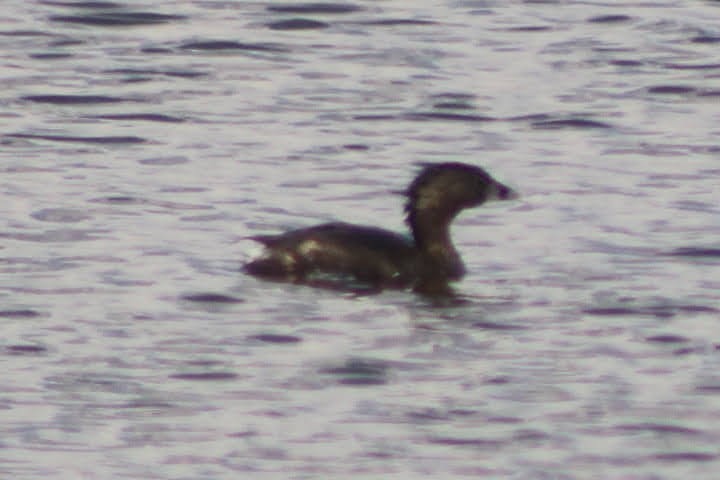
{"x":118,"y":19}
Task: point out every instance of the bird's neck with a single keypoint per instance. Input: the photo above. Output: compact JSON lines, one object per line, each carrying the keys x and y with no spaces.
{"x":431,"y":232}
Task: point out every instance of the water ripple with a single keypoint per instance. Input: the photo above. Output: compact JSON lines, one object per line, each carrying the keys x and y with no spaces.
{"x":24,"y":313}
{"x":108,"y":140}
{"x":275,"y":338}
{"x":656,"y":310}
{"x":146,"y":117}
{"x":667,"y":338}
{"x":393,"y":22}
{"x":25,"y":349}
{"x":612,"y":18}
{"x":118,"y":19}
{"x":153,"y":72}
{"x":685,"y":457}
{"x":85,"y":4}
{"x":315,"y":8}
{"x":205,"y":376}
{"x":447,"y":116}
{"x":482,"y":443}
{"x":298,"y":24}
{"x":659,"y":428}
{"x":60,"y":215}
{"x":702,"y":252}
{"x":73,"y":99}
{"x":570,"y":123}
{"x":224,"y":45}
{"x":359,"y":372}
{"x":211,"y":298}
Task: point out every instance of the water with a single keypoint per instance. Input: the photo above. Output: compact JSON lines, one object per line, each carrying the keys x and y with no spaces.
{"x":142,"y":141}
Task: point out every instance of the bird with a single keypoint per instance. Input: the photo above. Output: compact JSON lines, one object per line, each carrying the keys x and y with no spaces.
{"x":344,"y":253}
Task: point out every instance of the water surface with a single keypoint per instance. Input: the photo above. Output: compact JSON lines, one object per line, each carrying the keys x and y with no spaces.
{"x":143,"y":140}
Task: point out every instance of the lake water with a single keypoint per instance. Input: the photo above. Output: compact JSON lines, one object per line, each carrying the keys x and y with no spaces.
{"x":142,"y":141}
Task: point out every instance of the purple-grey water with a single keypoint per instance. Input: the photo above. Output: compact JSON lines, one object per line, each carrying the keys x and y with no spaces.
{"x":142,"y":141}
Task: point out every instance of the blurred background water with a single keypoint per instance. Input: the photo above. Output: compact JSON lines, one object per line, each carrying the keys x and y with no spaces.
{"x":141,"y":141}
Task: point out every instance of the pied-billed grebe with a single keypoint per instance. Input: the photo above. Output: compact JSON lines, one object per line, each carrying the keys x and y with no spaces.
{"x":381,"y":258}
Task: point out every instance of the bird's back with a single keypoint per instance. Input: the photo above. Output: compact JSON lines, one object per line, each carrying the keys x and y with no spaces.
{"x":368,"y":254}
